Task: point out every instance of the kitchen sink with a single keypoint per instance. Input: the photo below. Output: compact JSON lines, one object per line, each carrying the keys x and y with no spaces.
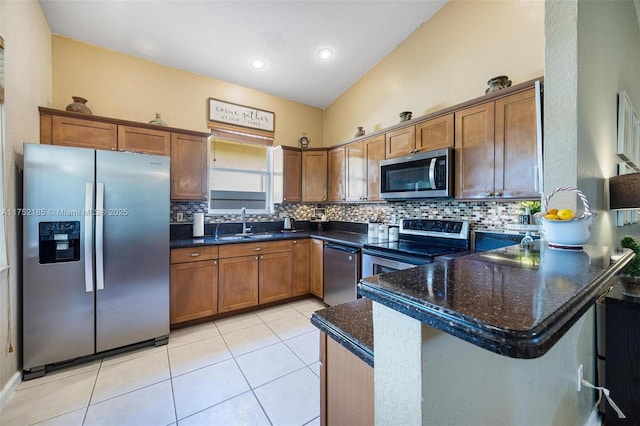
{"x":232,"y":237}
{"x":264,"y":235}
{"x":237,"y":237}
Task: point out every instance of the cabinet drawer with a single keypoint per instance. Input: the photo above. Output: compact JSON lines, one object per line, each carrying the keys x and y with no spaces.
{"x":247,"y":249}
{"x":194,"y":254}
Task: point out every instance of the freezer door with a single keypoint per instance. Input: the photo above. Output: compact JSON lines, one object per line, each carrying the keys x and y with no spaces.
{"x":57,"y":291}
{"x":132,"y":248}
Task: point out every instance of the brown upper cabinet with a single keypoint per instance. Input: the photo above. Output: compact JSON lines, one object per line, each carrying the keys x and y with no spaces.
{"x":354,"y":169}
{"x":374,"y":152}
{"x":314,"y":175}
{"x":188,"y":167}
{"x":148,"y":141}
{"x":337,"y":174}
{"x":78,"y":132}
{"x":188,"y":149}
{"x":287,"y":175}
{"x":401,"y":142}
{"x":436,"y":133}
{"x":429,"y":135}
{"x":496,"y":149}
{"x":362,"y":167}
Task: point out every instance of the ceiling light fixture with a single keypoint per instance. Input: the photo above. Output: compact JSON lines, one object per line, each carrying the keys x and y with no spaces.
{"x":258,"y":63}
{"x":325,"y":53}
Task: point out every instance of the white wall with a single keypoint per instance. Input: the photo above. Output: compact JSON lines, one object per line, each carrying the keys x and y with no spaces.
{"x":446,"y":61}
{"x":28,"y":72}
{"x":608,"y":53}
{"x":439,"y":379}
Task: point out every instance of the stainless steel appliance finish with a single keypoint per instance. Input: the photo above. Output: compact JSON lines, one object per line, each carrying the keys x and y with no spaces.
{"x":109,"y":287}
{"x":288,"y":223}
{"x":424,"y":175}
{"x":341,"y":270}
{"x":374,"y":264}
{"x":420,"y":242}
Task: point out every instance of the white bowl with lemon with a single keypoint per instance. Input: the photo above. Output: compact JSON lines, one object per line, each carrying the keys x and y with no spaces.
{"x":561,"y":228}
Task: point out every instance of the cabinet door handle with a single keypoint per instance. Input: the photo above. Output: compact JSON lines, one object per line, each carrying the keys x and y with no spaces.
{"x":215,"y":262}
{"x":195,"y":254}
{"x":284,"y":199}
{"x":257,"y":249}
{"x":261,"y":257}
{"x":294,"y":242}
{"x":498,"y":194}
{"x":489,"y":194}
{"x":256,"y":258}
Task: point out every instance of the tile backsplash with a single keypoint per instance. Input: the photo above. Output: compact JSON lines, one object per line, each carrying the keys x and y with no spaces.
{"x":482,"y":215}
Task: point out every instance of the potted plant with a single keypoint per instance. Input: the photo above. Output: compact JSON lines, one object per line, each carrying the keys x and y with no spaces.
{"x":630,"y":275}
{"x":534,"y":206}
{"x":529,"y":209}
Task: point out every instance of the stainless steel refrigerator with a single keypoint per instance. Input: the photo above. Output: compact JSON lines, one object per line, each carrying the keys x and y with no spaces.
{"x":95,"y":253}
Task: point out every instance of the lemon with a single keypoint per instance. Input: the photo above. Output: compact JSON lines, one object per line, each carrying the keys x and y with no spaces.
{"x":552,"y":211}
{"x":566,"y":214}
{"x":550,"y":216}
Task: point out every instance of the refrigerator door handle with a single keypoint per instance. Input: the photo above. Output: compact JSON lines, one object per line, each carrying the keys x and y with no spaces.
{"x":88,"y":238}
{"x":99,"y":236}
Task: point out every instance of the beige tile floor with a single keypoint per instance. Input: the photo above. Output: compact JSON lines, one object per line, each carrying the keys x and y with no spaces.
{"x":258,"y":368}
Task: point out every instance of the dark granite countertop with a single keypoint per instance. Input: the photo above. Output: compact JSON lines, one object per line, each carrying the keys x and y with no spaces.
{"x":512,"y":301}
{"x":353,"y":239}
{"x":349,"y":324}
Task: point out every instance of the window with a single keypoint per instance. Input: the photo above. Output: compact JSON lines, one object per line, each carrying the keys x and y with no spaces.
{"x":239,"y":176}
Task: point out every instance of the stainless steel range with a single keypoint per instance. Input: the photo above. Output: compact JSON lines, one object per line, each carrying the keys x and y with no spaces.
{"x":420,"y":242}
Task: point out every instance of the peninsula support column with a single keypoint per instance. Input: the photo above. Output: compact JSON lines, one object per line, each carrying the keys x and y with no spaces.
{"x":398,"y":349}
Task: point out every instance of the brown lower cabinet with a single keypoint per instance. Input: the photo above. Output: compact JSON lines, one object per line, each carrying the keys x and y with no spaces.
{"x":237,"y":283}
{"x":254,"y":273}
{"x":193,"y":284}
{"x":300,"y":268}
{"x":274,"y":277}
{"x":315,"y":268}
{"x":346,"y":386}
{"x":211,"y":280}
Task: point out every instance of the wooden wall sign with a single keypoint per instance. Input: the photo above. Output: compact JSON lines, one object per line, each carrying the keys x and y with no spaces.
{"x":240,"y":115}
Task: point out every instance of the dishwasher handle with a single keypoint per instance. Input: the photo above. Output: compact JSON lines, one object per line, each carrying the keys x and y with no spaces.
{"x":342,"y":248}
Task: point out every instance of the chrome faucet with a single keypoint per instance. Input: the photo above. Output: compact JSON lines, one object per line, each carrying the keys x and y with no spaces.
{"x":243,"y":214}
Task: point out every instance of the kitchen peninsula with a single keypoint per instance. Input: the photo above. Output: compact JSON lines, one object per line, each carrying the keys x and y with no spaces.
{"x":489,"y":338}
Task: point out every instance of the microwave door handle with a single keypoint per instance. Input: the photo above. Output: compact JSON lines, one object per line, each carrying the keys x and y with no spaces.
{"x":432,"y":173}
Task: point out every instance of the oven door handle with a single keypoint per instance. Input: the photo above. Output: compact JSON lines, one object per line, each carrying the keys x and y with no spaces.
{"x":396,"y":257}
{"x":432,"y":173}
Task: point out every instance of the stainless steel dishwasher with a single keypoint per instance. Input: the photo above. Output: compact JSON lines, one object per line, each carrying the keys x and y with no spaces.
{"x":341,"y":273}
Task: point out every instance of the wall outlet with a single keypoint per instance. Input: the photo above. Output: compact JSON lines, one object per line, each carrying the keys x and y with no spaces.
{"x":579,"y":373}
{"x":179,"y":217}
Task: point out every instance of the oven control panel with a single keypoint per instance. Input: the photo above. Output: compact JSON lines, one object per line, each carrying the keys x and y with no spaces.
{"x":458,"y":229}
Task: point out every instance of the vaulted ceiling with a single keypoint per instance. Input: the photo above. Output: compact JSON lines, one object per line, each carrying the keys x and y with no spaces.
{"x":220,"y":38}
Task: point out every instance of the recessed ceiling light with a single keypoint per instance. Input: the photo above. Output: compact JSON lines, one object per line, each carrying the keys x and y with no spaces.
{"x":257,"y":63}
{"x":325,"y":53}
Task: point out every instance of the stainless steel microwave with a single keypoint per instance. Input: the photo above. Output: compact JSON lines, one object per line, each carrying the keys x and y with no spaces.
{"x":424,"y":175}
